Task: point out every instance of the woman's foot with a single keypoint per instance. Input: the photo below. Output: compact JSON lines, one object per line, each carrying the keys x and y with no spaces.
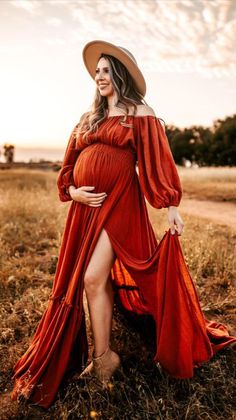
{"x":102,"y":367}
{"x":87,"y":372}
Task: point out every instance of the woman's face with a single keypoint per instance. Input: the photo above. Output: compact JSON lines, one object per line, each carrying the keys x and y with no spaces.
{"x":103,"y":79}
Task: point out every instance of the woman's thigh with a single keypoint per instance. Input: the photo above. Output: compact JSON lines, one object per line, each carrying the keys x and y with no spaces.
{"x":101,"y":261}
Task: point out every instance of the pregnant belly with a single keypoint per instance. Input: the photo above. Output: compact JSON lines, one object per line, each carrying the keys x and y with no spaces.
{"x":103,"y":166}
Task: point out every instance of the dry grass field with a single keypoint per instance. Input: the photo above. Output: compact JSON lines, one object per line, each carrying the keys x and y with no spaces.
{"x":31,"y":225}
{"x":209,"y":183}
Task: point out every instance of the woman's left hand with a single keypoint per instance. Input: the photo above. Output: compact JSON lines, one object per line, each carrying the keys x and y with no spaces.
{"x":175,"y":220}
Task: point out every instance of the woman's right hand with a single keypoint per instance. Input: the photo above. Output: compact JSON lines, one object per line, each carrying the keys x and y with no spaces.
{"x":82,"y":195}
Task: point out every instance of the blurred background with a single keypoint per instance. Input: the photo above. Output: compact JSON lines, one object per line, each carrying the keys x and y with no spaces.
{"x":185,"y":48}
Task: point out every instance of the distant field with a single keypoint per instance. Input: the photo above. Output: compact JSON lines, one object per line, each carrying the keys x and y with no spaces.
{"x":216,"y":184}
{"x":31,"y":224}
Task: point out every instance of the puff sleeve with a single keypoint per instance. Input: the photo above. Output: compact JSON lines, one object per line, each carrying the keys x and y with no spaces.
{"x":158,"y":176}
{"x":65,"y":176}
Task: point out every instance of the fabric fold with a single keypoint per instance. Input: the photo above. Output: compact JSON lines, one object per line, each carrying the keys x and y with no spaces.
{"x":158,"y":174}
{"x":65,"y":176}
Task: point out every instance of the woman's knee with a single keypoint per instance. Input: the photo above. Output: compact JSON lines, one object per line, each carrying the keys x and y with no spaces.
{"x":91,"y":282}
{"x":100,"y":265}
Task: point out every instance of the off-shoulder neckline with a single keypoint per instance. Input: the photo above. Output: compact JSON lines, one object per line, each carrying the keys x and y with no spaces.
{"x":130,"y":115}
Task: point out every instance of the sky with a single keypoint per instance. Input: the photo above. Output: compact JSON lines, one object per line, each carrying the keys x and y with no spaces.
{"x":185,"y":49}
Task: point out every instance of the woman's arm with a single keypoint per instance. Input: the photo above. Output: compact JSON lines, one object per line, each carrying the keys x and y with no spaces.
{"x":65,"y":176}
{"x":158,"y":175}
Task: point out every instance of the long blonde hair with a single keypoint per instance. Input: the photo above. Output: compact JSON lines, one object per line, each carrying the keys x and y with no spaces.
{"x":127,"y":94}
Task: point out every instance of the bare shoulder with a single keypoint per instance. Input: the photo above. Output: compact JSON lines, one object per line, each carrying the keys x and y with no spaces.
{"x":144,"y":110}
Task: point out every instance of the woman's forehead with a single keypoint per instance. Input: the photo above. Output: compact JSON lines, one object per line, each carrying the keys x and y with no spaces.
{"x":103,"y":62}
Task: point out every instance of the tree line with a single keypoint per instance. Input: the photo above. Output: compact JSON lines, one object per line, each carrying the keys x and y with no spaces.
{"x":211,"y":146}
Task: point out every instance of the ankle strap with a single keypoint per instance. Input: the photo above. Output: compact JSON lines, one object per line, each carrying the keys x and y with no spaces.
{"x":98,"y":357}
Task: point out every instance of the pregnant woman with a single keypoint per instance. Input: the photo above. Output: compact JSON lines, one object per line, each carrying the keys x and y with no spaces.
{"x":109,"y":246}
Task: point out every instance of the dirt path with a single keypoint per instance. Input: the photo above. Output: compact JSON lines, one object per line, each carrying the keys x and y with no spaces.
{"x":220,"y":213}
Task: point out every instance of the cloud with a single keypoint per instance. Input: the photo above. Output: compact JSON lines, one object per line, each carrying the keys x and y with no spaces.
{"x":180,"y":36}
{"x":165,"y":36}
{"x":30,"y":6}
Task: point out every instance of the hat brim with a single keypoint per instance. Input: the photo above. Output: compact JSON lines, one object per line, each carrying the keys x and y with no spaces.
{"x":92,"y":52}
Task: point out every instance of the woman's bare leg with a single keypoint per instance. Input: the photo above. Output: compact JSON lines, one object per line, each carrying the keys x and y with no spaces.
{"x":99,"y":292}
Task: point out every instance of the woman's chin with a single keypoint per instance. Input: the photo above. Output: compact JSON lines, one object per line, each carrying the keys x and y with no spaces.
{"x":105,"y":92}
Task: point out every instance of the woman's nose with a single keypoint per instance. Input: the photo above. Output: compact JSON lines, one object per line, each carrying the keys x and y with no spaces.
{"x":100,"y":76}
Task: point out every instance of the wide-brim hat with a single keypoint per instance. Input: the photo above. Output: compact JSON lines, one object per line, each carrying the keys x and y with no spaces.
{"x":93,"y":50}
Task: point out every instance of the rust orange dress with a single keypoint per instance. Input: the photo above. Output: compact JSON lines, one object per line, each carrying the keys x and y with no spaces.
{"x":149,"y":277}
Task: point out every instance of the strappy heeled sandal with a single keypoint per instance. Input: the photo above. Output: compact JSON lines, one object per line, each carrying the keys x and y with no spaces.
{"x":102,"y":367}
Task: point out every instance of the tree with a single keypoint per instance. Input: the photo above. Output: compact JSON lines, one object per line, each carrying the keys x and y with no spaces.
{"x":205,"y":145}
{"x":9,"y":150}
{"x":224,"y":141}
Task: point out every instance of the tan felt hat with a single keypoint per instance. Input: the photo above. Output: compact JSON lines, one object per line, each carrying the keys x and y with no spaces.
{"x":93,"y":50}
